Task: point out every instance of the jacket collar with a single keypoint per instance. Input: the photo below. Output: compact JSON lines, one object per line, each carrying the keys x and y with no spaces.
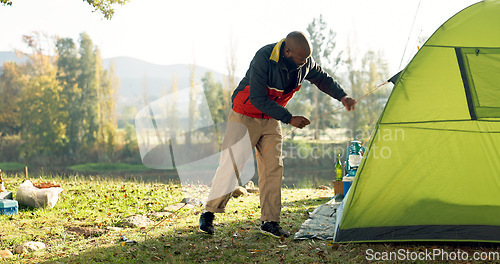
{"x":275,"y":54}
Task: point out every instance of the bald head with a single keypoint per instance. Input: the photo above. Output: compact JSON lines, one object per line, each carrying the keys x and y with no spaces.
{"x":298,"y":42}
{"x":297,"y":47}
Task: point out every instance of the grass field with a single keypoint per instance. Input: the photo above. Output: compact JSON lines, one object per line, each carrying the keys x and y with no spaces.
{"x":100,"y":167}
{"x":100,"y":204}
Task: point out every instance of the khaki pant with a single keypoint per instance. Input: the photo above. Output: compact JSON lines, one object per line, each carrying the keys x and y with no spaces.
{"x":265,"y":136}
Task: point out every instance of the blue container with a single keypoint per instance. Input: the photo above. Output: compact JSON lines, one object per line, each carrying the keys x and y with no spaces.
{"x":347,"y":182}
{"x":8,"y":207}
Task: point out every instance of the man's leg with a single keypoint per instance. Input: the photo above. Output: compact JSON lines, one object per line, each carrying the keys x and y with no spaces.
{"x":242,"y":133}
{"x":226,"y":176}
{"x":270,"y":164}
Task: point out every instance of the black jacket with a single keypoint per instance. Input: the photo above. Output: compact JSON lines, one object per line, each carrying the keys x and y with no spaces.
{"x":261,"y":93}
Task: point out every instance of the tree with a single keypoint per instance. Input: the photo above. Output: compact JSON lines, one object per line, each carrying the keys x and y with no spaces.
{"x":107,"y":84}
{"x":42,"y":120}
{"x":127,"y":115}
{"x":145,"y":96}
{"x":230,"y":83}
{"x":215,"y":97}
{"x":172,"y":122}
{"x":67,"y":74}
{"x":375,"y":71}
{"x":310,"y":100}
{"x":11,"y":84}
{"x":62,"y":102}
{"x":355,"y":79}
{"x":364,"y":77}
{"x":104,"y":6}
{"x":67,"y":61}
{"x":89,"y":100}
{"x":130,"y":140}
{"x":193,"y":112}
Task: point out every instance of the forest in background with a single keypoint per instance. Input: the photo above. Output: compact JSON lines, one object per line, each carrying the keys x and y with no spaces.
{"x":59,"y":106}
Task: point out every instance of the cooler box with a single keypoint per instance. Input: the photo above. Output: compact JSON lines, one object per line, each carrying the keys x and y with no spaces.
{"x":8,"y":207}
{"x":347,"y":182}
{"x":6,"y":195}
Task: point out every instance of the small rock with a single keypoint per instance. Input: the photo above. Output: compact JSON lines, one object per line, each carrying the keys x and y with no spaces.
{"x":252,"y":190}
{"x":250,"y":187}
{"x":239,"y":191}
{"x":5,"y":253}
{"x":86,"y":231}
{"x":29,"y":246}
{"x":135,"y":221}
{"x":323,"y":187}
{"x":193,"y":201}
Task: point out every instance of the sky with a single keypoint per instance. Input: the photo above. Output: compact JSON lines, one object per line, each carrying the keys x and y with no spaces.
{"x":204,"y":32}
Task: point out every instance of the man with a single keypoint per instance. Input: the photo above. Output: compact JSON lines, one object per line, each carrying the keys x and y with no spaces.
{"x":275,"y":74}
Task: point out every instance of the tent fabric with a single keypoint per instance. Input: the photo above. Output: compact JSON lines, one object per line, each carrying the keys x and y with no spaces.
{"x":432,"y":169}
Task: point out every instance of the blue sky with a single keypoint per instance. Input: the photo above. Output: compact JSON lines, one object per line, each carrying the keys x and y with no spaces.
{"x":202,"y":32}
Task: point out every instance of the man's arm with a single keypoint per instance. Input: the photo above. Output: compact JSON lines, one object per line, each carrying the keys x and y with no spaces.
{"x":324,"y":81}
{"x":299,"y":121}
{"x":328,"y":85}
{"x":348,"y":102}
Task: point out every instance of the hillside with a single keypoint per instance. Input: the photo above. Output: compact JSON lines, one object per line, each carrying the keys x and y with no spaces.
{"x":9,"y":56}
{"x":135,"y":75}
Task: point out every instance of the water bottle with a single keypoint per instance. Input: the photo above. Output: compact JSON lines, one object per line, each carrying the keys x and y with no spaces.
{"x":2,"y":186}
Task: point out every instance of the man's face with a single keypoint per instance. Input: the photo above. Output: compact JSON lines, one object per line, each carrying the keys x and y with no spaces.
{"x":298,"y":57}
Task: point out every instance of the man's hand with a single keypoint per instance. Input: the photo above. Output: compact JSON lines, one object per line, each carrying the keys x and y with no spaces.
{"x":348,"y":102}
{"x":299,"y":121}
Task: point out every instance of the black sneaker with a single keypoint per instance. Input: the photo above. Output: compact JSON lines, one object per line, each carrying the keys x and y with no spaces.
{"x":273,"y":229}
{"x":206,"y":223}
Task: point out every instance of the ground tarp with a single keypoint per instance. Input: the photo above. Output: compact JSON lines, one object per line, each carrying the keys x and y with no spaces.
{"x":321,"y":222}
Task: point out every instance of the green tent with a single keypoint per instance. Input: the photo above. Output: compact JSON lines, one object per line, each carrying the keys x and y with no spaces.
{"x":432,"y":171}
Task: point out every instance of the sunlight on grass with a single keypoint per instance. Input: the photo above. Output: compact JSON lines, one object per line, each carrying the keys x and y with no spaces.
{"x":102,"y":167}
{"x":173,"y":237}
